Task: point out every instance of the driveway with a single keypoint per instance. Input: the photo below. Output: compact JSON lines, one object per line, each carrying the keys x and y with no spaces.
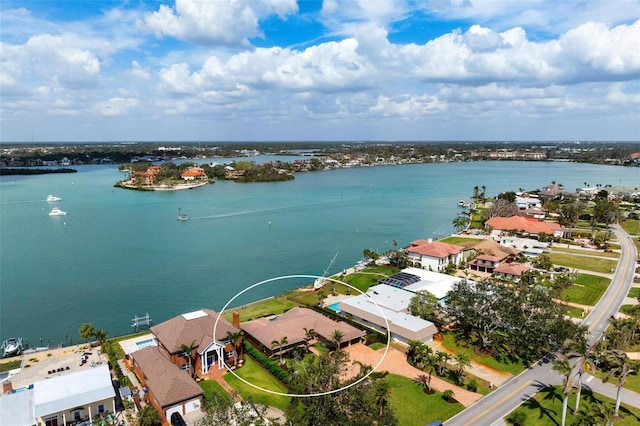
{"x":395,"y":362}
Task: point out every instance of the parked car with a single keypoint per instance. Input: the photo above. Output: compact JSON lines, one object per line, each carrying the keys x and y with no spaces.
{"x":177,"y":420}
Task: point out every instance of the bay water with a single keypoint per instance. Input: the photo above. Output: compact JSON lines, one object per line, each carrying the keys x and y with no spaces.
{"x":120,"y":253}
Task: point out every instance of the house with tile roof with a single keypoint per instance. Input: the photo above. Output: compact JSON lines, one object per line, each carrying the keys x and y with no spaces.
{"x":194,"y":173}
{"x":197,"y":328}
{"x":167,"y":387}
{"x":489,"y":254}
{"x":434,"y":255}
{"x":523,"y":225}
{"x":262,"y":332}
{"x":511,"y":271}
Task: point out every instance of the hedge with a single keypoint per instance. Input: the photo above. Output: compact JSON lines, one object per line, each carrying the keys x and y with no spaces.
{"x":267,"y":363}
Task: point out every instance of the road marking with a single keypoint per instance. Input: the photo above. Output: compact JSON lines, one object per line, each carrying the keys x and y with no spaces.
{"x":500,"y":402}
{"x":589,"y":379}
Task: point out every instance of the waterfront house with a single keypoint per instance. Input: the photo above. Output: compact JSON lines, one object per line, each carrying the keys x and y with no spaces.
{"x":511,"y":271}
{"x":489,"y":254}
{"x":196,"y":329}
{"x":167,"y":387}
{"x":434,"y":255}
{"x":384,"y":307}
{"x":65,"y":399}
{"x":524,"y":226}
{"x":263,"y":332}
{"x":527,"y":246}
{"x":194,"y":173}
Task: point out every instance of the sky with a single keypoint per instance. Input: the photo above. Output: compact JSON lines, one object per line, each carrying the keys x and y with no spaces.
{"x":333,"y":70}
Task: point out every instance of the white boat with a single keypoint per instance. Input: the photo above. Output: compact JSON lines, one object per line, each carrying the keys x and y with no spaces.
{"x":53,"y":198}
{"x":182,"y":217}
{"x":12,"y":347}
{"x":57,"y":212}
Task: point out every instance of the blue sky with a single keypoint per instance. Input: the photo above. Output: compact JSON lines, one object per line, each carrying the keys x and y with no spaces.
{"x":196,"y":70}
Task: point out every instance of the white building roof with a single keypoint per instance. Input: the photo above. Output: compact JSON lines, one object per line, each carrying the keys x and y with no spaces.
{"x":72,"y":390}
{"x":434,"y":282}
{"x":17,"y":409}
{"x":388,"y":297}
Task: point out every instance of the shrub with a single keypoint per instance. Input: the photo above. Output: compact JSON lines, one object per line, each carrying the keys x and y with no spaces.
{"x":270,"y":365}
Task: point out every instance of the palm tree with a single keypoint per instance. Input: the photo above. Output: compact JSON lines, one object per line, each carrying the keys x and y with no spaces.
{"x":563,"y":367}
{"x":187,"y":352}
{"x":583,"y":364}
{"x":425,"y":381}
{"x":336,"y":338}
{"x":620,"y":368}
{"x":442,"y":358}
{"x":309,"y":333}
{"x":459,"y":222}
{"x":236,"y":340}
{"x":87,"y":331}
{"x":462,"y":361}
{"x":101,"y":337}
{"x":275,"y":343}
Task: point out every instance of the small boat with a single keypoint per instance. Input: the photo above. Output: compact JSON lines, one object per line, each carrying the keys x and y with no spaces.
{"x":461,"y":203}
{"x":182,"y":217}
{"x":53,"y":198}
{"x":57,"y":212}
{"x":12,"y":347}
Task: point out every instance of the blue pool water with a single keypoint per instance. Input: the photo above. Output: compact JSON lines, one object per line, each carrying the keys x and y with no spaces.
{"x":334,"y":306}
{"x":145,"y":343}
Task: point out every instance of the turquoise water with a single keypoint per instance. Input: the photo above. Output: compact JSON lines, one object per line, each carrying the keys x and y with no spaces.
{"x":334,"y":306}
{"x":144,"y":343}
{"x":122,"y":253}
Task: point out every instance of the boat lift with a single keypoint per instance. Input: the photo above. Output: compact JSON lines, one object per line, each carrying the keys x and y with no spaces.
{"x":138,"y":321}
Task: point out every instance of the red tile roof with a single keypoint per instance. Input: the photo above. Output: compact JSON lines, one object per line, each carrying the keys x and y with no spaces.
{"x":436,"y":249}
{"x":515,"y":269}
{"x":521,"y":223}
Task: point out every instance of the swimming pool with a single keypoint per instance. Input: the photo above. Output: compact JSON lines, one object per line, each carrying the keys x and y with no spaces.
{"x":334,"y":307}
{"x":144,"y":343}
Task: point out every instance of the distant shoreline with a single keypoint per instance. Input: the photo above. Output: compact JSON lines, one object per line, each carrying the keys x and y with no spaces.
{"x":31,"y":171}
{"x":161,"y":187}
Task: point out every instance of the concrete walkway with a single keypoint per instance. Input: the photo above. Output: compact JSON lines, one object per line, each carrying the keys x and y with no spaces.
{"x":395,"y":362}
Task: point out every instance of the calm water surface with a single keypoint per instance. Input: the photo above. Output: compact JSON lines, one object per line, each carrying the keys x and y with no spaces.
{"x":122,"y":253}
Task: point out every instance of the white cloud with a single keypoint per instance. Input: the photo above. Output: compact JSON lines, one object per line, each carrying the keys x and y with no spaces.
{"x":116,"y":106}
{"x":213,"y":22}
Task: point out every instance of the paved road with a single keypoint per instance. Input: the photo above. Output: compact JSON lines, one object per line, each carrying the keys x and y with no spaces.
{"x":493,"y":407}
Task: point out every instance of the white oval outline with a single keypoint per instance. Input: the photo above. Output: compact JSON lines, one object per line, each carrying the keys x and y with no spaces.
{"x":386,"y":349}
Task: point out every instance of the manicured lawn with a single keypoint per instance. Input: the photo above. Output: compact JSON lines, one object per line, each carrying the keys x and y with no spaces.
{"x":581,"y":262}
{"x":414,"y":407}
{"x":362,"y":280}
{"x":587,"y":290}
{"x":546,"y":408}
{"x":10,"y":365}
{"x":258,"y":376}
{"x":211,"y":387}
{"x":634,"y":292}
{"x":458,"y":240}
{"x":272,"y":306}
{"x":574,"y":312}
{"x":513,"y":368}
{"x":631,"y":226}
{"x":611,"y":255}
{"x":377,"y":345}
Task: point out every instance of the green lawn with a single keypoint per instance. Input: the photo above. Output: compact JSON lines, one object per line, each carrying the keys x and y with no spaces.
{"x":587,"y":290}
{"x":458,"y":240}
{"x":546,"y":408}
{"x":632,"y":382}
{"x":258,"y":376}
{"x":611,"y":255}
{"x":631,"y":226}
{"x":634,"y":292}
{"x":574,"y":312}
{"x":450,"y":343}
{"x":10,"y":365}
{"x":413,"y":407}
{"x":581,"y":262}
{"x":272,"y":306}
{"x":211,"y":387}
